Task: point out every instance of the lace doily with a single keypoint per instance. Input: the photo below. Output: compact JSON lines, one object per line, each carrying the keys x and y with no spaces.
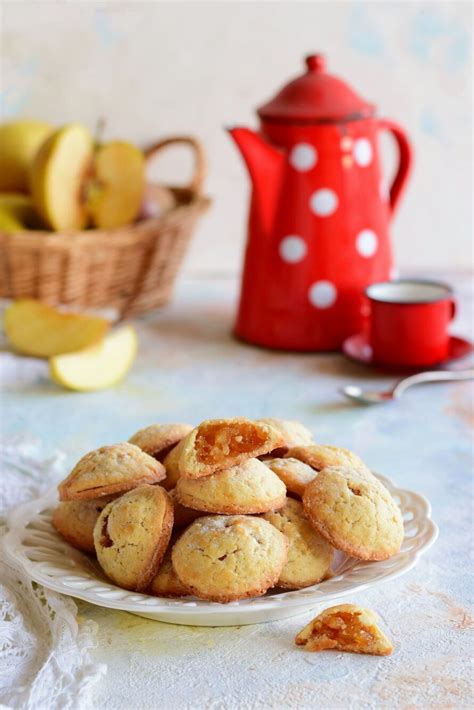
{"x":44,"y":651}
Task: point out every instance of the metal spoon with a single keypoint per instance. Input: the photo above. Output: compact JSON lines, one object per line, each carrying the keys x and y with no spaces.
{"x":356,"y":394}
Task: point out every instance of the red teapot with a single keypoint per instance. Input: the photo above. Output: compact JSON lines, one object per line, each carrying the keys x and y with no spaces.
{"x":318,"y":231}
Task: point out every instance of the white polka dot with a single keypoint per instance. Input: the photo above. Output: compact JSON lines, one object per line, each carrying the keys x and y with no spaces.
{"x":323,"y":202}
{"x":363,"y":152}
{"x":366,"y":243}
{"x":293,"y":249}
{"x":322,"y":294}
{"x":303,"y":157}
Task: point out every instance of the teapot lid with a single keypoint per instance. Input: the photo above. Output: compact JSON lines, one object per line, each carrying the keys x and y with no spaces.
{"x":316,"y":97}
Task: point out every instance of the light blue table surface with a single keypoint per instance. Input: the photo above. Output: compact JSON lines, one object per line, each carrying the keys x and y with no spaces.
{"x":190,"y":368}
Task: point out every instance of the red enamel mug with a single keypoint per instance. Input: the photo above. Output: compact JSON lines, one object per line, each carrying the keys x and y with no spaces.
{"x":409,"y":322}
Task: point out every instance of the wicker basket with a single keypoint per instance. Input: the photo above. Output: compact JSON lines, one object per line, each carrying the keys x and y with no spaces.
{"x":132,"y":268}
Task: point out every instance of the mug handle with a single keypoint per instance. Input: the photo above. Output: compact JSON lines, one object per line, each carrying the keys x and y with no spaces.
{"x":405,"y":160}
{"x":453,"y":308}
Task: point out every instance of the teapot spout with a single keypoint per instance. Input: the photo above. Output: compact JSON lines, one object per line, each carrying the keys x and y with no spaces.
{"x":265,"y":165}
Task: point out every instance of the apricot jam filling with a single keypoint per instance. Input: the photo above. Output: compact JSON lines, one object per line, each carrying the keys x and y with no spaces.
{"x":216,"y":441}
{"x":343,"y":630}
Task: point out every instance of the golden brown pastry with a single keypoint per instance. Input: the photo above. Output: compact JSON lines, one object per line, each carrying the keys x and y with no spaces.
{"x":108,"y":470}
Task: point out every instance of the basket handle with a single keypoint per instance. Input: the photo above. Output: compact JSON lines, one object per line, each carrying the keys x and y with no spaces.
{"x":200,"y":163}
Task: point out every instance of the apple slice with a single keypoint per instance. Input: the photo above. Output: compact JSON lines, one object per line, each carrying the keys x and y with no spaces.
{"x":58,"y":173}
{"x":114,"y":195}
{"x":33,"y":328}
{"x":99,"y":366}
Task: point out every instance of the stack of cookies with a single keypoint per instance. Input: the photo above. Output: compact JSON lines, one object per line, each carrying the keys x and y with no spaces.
{"x":226,"y":510}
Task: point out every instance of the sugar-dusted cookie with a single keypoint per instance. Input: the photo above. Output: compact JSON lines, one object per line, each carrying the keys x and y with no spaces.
{"x":309,"y":554}
{"x":294,"y":473}
{"x":221,"y":443}
{"x":293,"y":433}
{"x":157,"y":440}
{"x":171,"y":464}
{"x":110,"y":469}
{"x":346,"y":627}
{"x":183,"y":516}
{"x":166,"y":583}
{"x":249,"y":487}
{"x":318,"y":456}
{"x":131,"y":536}
{"x":75,"y":519}
{"x":355,"y":512}
{"x":222,"y":558}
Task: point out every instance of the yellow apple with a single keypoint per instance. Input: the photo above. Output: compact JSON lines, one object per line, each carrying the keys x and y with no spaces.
{"x":33,"y":328}
{"x":99,"y":366}
{"x":17,"y":213}
{"x":58,"y":174}
{"x":115,"y":193}
{"x":19,"y":142}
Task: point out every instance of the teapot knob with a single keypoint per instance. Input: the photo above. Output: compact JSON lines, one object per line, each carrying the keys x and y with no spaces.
{"x":316,"y":62}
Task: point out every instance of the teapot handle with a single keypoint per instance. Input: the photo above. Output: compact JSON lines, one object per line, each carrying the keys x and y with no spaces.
{"x":405,"y":161}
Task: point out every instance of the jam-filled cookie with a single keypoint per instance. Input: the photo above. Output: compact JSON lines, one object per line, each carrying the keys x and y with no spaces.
{"x":110,"y":469}
{"x":223,"y":558}
{"x":309,"y":554}
{"x":157,"y":440}
{"x":171,"y":464}
{"x":355,"y":512}
{"x":166,"y":583}
{"x":293,"y":433}
{"x":131,"y":536}
{"x":247,"y":488}
{"x":75,"y":519}
{"x":346,"y":627}
{"x":183,"y":516}
{"x":221,"y":443}
{"x":294,"y":473}
{"x":318,"y":456}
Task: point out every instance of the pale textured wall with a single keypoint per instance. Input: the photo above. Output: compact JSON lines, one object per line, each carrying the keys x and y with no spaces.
{"x":160,"y":68}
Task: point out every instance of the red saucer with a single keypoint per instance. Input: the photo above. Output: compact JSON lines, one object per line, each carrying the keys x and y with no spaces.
{"x":358,"y":348}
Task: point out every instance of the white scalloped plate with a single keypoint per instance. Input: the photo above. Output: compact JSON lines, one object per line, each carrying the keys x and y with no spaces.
{"x":50,"y":561}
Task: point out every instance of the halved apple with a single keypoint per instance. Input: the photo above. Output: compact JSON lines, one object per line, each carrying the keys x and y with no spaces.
{"x":33,"y":328}
{"x":115,"y":193}
{"x":19,"y":142}
{"x":58,"y":173}
{"x":97,"y":367}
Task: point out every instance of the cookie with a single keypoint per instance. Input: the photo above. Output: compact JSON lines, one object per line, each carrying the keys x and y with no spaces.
{"x":75,"y":519}
{"x":223,"y":558}
{"x":183,"y":516}
{"x":294,"y":473}
{"x":166,"y":583}
{"x":355,"y":512}
{"x":110,"y":469}
{"x":247,"y":488}
{"x":319,"y":456}
{"x":221,"y":443}
{"x":157,"y":440}
{"x":293,"y":433}
{"x":345,"y":627}
{"x":309,"y":554}
{"x":171,"y":464}
{"x":132,"y":534}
